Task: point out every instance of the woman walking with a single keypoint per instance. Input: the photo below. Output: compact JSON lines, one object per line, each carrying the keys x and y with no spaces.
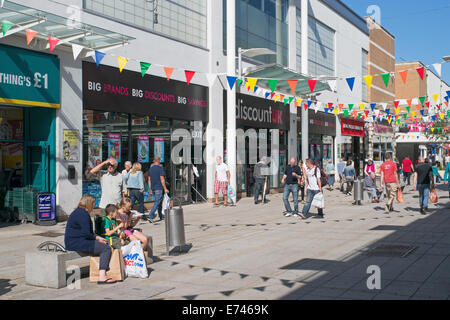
{"x":135,"y":184}
{"x":331,"y":173}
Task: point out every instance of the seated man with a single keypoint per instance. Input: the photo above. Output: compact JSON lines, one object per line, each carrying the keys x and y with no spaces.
{"x":371,"y":185}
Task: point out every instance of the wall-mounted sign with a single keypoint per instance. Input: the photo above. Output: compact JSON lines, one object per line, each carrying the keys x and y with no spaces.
{"x":94,"y":147}
{"x":29,"y":78}
{"x":114,"y":146}
{"x":352,"y":127}
{"x":105,"y":88}
{"x":158,"y":145}
{"x":71,"y":148}
{"x":45,"y":206}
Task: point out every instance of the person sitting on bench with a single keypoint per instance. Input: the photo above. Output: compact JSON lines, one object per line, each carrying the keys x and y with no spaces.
{"x":370,"y":184}
{"x":79,"y":236}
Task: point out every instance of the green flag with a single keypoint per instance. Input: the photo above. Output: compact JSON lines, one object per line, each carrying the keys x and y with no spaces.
{"x":350,"y":106}
{"x":385,"y":77}
{"x":290,"y":99}
{"x":6,"y":25}
{"x":272,"y":84}
{"x":346,"y":113}
{"x":408,"y":108}
{"x":239,"y":81}
{"x":422,"y":100}
{"x":144,"y":67}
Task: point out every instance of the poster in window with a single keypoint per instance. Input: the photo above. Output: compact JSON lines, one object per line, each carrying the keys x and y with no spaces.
{"x":114,"y":146}
{"x":143,"y":143}
{"x":159,"y":148}
{"x":71,"y":146}
{"x":94,"y":147}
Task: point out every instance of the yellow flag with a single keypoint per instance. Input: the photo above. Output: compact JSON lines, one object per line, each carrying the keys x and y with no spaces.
{"x":413,"y":113}
{"x":361,"y":106}
{"x":435,"y":96}
{"x":335,"y":110}
{"x":432,"y":129}
{"x":368,"y":80}
{"x":389,"y":120}
{"x":276,"y":98}
{"x":397,"y":110}
{"x":299,"y":101}
{"x":122,"y":62}
{"x":252,"y":82}
{"x":441,"y":115}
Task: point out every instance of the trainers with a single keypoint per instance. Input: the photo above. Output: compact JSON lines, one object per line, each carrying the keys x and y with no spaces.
{"x":295,"y":214}
{"x":301,"y":216}
{"x":287,"y":214}
{"x":425,"y":211}
{"x":386,"y":209}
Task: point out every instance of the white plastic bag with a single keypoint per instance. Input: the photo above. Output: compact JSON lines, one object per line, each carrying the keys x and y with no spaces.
{"x":318,"y":201}
{"x":165,"y":203}
{"x":134,"y":260}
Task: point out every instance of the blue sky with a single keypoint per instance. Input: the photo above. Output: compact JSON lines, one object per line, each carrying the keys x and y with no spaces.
{"x":421,"y":28}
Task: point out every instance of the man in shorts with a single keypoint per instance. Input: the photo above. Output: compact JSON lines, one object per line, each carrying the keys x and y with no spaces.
{"x":222,"y":179}
{"x":389,"y":180}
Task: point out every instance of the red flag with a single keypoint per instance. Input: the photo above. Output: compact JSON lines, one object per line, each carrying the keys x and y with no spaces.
{"x":330,"y":104}
{"x":420,"y":71}
{"x":52,"y":42}
{"x":272,"y":94}
{"x":427,"y":104}
{"x":403,"y":75}
{"x":366,"y":112}
{"x":189,"y":75}
{"x":293,"y":85}
{"x":396,"y":102}
{"x":306,"y":106}
{"x":312,"y":84}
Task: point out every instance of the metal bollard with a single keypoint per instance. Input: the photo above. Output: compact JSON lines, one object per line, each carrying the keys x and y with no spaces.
{"x":174,"y":224}
{"x":358,"y":191}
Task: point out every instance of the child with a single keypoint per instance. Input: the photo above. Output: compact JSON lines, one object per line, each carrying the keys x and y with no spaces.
{"x":112,"y":228}
{"x":124,"y":216}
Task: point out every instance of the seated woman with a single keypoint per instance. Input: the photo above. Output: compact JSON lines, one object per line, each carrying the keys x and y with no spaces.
{"x":124,"y":216}
{"x":79,"y":236}
{"x":111,"y":228}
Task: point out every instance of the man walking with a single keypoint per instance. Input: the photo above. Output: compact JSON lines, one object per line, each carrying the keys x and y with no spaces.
{"x":423,"y":181}
{"x":389,"y":181}
{"x":157,"y":184}
{"x":111,"y":182}
{"x":313,"y":186}
{"x":408,"y":169}
{"x":290,"y":181}
{"x":260,"y":172}
{"x":221,"y":181}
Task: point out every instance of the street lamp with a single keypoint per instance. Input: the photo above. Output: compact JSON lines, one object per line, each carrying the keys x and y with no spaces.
{"x":446,"y":58}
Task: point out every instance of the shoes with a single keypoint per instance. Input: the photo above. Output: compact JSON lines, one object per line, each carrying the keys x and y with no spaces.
{"x":319,"y":216}
{"x":144,"y":217}
{"x":295,"y":214}
{"x":386,"y":209}
{"x":391,"y":208}
{"x":301,"y":216}
{"x":425,"y":211}
{"x":375,"y":201}
{"x":256,"y":202}
{"x":287,"y":214}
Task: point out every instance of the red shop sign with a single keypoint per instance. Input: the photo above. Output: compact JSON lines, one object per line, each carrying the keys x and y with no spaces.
{"x":352,"y":127}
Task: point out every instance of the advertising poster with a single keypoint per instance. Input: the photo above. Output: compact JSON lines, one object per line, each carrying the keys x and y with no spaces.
{"x":71,"y":145}
{"x":114,"y":146}
{"x":94,"y":147}
{"x":46,"y":206}
{"x":143,"y":144}
{"x":159,"y":148}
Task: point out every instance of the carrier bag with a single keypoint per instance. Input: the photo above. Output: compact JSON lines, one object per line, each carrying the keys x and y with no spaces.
{"x":134,"y":260}
{"x":318,"y":201}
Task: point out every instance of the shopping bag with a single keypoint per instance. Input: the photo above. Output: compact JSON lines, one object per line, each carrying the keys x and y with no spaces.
{"x":134,"y":260}
{"x":230,"y":192}
{"x":433,"y":196}
{"x":116,"y":267}
{"x":165,"y":203}
{"x":318,"y":201}
{"x":400,"y":195}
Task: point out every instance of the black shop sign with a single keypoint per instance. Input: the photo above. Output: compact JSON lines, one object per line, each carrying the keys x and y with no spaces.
{"x":107,"y":89}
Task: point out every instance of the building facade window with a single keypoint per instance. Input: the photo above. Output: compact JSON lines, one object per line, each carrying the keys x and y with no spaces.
{"x":321,"y":51}
{"x":180,"y":19}
{"x":365,"y":95}
{"x":298,"y":40}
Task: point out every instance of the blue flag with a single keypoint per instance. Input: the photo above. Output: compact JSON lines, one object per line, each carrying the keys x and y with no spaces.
{"x":231,"y":81}
{"x":98,"y":57}
{"x":350,"y":82}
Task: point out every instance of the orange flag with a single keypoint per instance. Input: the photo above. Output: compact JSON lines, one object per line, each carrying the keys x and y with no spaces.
{"x":30,"y":35}
{"x":292,"y":85}
{"x":168,"y":72}
{"x":403,"y":75}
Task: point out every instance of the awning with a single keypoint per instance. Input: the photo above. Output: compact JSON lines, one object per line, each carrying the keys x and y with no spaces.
{"x":279,"y":72}
{"x":66,"y":30}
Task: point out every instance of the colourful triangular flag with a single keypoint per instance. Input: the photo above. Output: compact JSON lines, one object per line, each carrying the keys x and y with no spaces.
{"x":386,"y":77}
{"x":422,"y":100}
{"x":292,"y":85}
{"x":361,"y":106}
{"x":231,"y":81}
{"x":420,"y":71}
{"x":144,"y":67}
{"x":438,"y":68}
{"x":272,"y":84}
{"x":312,"y":84}
{"x":30,"y":35}
{"x":372,"y":106}
{"x":76,"y":50}
{"x":6,"y":25}
{"x":403,"y":75}
{"x":168,"y":71}
{"x":252,"y":82}
{"x":350,"y":106}
{"x":52,"y":42}
{"x":368,"y":80}
{"x":122,"y":62}
{"x":350,"y":82}
{"x":98,"y":57}
{"x":189,"y":75}
{"x":435,"y":96}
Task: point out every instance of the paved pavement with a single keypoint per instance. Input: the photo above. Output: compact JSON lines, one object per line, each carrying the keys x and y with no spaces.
{"x":253,"y":252}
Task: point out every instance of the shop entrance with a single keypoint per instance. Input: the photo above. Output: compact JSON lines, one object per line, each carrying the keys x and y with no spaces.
{"x":38,"y":163}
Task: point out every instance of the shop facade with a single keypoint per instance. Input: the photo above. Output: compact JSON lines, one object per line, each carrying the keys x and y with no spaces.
{"x":262,"y":130}
{"x":134,"y":118}
{"x":322,"y":134}
{"x":29,"y":97}
{"x":352,"y":142}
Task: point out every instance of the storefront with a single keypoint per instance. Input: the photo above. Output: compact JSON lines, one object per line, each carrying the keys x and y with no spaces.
{"x":322,"y":133}
{"x":130,"y":117}
{"x":262,"y":130}
{"x":352,"y":142}
{"x":381,"y":141}
{"x":29,"y":96}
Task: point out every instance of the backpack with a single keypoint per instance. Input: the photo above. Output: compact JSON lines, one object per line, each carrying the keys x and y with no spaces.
{"x":323,"y":177}
{"x":98,"y":230}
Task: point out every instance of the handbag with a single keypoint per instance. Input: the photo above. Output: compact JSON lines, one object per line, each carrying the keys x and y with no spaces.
{"x":433,"y":196}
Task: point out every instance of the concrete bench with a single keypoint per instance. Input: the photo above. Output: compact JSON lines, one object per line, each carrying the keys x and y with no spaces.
{"x":47,"y":266}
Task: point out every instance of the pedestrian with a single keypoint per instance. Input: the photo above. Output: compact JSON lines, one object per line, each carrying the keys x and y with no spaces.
{"x":447,"y":177}
{"x":331,"y":174}
{"x":340,"y":170}
{"x":79,"y":236}
{"x":370,"y":167}
{"x":134,"y":180}
{"x":423,"y":181}
{"x":389,"y":181}
{"x":260,"y":172}
{"x":221,"y":181}
{"x":313,"y":186}
{"x":436,"y":174}
{"x":111,"y":182}
{"x":447,"y":158}
{"x":349,"y":175}
{"x":157,"y":185}
{"x":301,"y":182}
{"x":290,"y":181}
{"x":408,"y":170}
{"x":370,"y":184}
{"x":127,"y":168}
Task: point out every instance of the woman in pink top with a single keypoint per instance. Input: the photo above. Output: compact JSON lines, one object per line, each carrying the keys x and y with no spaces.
{"x":370,"y":167}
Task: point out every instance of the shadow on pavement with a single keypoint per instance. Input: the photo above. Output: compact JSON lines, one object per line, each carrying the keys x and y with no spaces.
{"x":5,"y":286}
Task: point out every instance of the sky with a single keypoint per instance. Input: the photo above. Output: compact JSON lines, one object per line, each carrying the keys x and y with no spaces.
{"x":421,"y":28}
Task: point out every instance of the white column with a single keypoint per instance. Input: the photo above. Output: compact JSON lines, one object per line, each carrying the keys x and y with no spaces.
{"x":337,"y":141}
{"x":278,"y":31}
{"x":231,"y":94}
{"x":304,"y":47}
{"x":292,"y":59}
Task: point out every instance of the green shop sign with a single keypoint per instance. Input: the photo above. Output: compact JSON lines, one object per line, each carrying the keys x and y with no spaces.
{"x":29,"y":78}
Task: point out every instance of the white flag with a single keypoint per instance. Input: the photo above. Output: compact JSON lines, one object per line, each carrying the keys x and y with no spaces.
{"x":76,"y":50}
{"x":211,"y":77}
{"x":438,"y":68}
{"x":1,"y":5}
{"x":333,"y":85}
{"x":384,"y":105}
